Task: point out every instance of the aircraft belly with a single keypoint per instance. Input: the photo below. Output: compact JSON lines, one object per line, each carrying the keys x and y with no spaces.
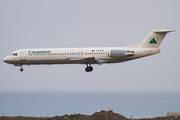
{"x":65,"y":61}
{"x":88,"y":60}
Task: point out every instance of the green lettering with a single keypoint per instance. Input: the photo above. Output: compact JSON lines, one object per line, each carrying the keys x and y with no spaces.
{"x":29,"y":51}
{"x":38,"y":52}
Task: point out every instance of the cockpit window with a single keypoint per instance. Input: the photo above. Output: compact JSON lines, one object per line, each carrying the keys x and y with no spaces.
{"x":14,"y":54}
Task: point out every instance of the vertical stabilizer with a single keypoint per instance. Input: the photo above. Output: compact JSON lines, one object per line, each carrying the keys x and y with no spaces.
{"x":154,"y":39}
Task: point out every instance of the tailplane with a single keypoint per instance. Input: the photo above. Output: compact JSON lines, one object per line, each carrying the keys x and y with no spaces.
{"x":154,"y":39}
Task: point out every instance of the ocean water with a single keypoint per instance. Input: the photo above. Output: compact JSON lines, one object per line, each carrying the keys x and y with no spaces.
{"x":52,"y":103}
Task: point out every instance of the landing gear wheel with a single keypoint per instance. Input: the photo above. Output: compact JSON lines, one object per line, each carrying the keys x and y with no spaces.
{"x":21,"y":69}
{"x":89,"y":68}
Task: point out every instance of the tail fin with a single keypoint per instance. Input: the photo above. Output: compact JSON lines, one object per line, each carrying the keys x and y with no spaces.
{"x":154,"y":39}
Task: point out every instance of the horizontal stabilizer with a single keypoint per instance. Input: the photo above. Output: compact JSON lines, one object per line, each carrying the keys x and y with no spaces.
{"x":163,"y":31}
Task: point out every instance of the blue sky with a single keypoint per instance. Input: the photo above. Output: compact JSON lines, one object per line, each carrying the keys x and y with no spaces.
{"x":90,"y":23}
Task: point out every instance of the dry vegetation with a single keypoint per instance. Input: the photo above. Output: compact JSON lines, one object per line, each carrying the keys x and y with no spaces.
{"x":103,"y":115}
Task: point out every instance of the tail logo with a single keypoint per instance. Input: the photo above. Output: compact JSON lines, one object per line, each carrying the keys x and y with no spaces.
{"x":153,"y":40}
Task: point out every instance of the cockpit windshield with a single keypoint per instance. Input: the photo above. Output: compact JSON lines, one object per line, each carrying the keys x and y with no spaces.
{"x":14,"y":54}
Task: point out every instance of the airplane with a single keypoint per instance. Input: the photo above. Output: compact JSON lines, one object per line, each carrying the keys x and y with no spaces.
{"x":99,"y":55}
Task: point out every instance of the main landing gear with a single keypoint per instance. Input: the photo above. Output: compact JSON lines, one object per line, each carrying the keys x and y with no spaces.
{"x":89,"y":68}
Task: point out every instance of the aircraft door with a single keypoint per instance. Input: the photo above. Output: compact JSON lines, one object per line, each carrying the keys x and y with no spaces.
{"x":23,"y":55}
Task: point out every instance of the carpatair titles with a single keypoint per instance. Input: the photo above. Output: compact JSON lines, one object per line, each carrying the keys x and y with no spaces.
{"x":38,"y":52}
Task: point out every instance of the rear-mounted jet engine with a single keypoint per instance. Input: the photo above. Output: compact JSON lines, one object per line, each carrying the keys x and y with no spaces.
{"x":121,"y":53}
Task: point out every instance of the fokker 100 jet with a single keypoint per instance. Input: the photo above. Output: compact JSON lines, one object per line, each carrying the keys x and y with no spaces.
{"x":88,"y":56}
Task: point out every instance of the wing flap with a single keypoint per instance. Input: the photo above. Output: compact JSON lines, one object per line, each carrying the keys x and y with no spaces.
{"x":88,"y":60}
{"x":76,"y":58}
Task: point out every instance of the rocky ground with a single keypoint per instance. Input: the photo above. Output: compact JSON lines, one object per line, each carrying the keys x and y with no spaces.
{"x":103,"y":115}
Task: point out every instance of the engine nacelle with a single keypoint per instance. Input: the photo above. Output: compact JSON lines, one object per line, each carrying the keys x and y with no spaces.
{"x":121,"y":53}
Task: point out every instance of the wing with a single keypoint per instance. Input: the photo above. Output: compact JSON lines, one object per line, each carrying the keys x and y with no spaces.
{"x":88,"y":60}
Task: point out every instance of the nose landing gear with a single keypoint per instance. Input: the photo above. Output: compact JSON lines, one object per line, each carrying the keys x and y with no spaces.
{"x":21,"y":69}
{"x":89,"y":68}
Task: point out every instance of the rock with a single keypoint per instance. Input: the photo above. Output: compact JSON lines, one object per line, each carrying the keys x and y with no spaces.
{"x":102,"y":115}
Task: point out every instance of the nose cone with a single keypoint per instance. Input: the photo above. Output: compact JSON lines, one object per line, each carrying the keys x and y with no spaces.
{"x":6,"y":59}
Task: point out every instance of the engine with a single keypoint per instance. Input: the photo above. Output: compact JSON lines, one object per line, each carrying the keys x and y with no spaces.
{"x":120,"y":53}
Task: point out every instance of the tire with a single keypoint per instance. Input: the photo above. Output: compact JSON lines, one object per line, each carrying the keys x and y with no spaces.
{"x":87,"y":69}
{"x":21,"y":69}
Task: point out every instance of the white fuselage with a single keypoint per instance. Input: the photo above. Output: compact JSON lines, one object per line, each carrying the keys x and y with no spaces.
{"x":88,"y":56}
{"x":76,"y":55}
